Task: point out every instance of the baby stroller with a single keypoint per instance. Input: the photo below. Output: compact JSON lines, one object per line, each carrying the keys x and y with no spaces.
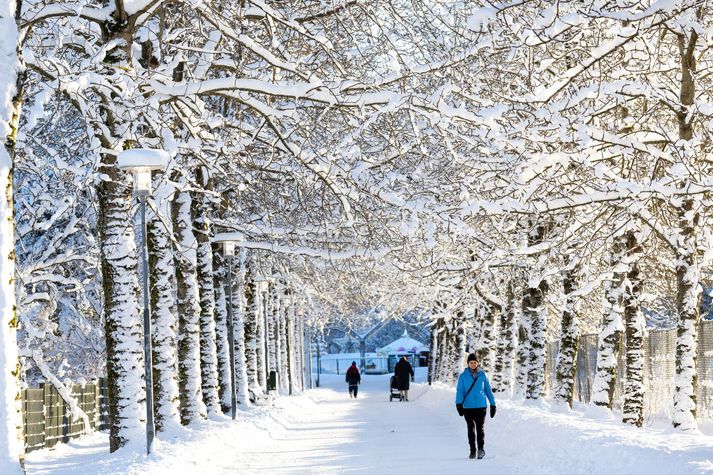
{"x":394,"y":389}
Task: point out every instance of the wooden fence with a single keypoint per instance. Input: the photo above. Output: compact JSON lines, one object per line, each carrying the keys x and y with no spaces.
{"x":46,"y":416}
{"x":659,"y":370}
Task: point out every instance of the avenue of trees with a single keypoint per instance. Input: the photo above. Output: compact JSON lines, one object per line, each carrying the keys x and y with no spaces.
{"x":516,"y":172}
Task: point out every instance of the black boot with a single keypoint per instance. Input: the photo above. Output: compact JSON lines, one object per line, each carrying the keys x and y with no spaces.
{"x":472,"y":454}
{"x":481,"y":454}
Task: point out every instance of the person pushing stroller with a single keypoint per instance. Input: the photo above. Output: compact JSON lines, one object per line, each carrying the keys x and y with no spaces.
{"x":404,"y":374}
{"x":353,"y":378}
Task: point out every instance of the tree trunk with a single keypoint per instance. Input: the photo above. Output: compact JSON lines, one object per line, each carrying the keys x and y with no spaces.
{"x":688,"y":307}
{"x":250,"y":324}
{"x":444,"y":355}
{"x":537,"y":318}
{"x":610,"y":335}
{"x":282,"y":309}
{"x":687,"y":259}
{"x":163,"y":319}
{"x":523,"y":347}
{"x":458,"y":349}
{"x":204,"y":270}
{"x":289,"y":346}
{"x":274,"y":319}
{"x":633,"y":411}
{"x":221,"y":328}
{"x":538,"y":325}
{"x":299,"y":350}
{"x":569,"y":340}
{"x":12,"y":452}
{"x":122,"y":311}
{"x":239,"y":309}
{"x":488,"y":317}
{"x":502,"y":378}
{"x":189,"y":357}
{"x":260,"y":339}
{"x":433,"y":351}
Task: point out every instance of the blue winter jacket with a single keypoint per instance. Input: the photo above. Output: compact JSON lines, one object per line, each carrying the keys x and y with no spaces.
{"x":477,"y":396}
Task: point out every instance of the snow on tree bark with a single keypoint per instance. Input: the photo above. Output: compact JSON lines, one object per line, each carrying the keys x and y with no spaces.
{"x":289,"y":346}
{"x":609,"y":341}
{"x":635,"y":325}
{"x":688,"y":306}
{"x":538,"y":324}
{"x":221,"y":328}
{"x":204,"y":262}
{"x":299,"y":349}
{"x":569,"y":339}
{"x":537,"y":318}
{"x":260,"y":338}
{"x":687,"y":259}
{"x":502,"y":377}
{"x":250,"y":331}
{"x":11,"y":438}
{"x":163,"y":319}
{"x":239,"y":309}
{"x":523,"y":348}
{"x":282,"y":309}
{"x":122,"y":311}
{"x":444,"y":357}
{"x":489,"y":314}
{"x":273,"y":330}
{"x":433,"y":351}
{"x":458,"y":346}
{"x":276,"y":307}
{"x":189,"y":331}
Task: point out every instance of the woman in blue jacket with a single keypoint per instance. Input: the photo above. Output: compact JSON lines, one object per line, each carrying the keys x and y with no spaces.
{"x":473,"y":389}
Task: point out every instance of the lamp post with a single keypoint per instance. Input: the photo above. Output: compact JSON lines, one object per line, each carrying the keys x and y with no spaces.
{"x":266,"y":326}
{"x":262,"y":288}
{"x":228,"y":240}
{"x":229,"y":252}
{"x":141,"y":162}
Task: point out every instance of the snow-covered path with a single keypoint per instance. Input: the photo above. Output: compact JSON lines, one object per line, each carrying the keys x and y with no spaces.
{"x":324,"y":431}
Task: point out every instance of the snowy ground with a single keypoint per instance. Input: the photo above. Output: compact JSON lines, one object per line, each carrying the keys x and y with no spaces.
{"x":324,"y":431}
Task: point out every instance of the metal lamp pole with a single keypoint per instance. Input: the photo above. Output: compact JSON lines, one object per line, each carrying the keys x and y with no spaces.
{"x":148,"y":359}
{"x":267,"y":334}
{"x":140,"y":162}
{"x":229,"y":251}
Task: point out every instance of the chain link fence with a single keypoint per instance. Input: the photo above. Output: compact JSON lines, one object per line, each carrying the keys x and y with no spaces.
{"x":659,"y":370}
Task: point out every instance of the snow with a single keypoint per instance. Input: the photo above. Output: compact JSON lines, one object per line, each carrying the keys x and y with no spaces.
{"x":145,"y":158}
{"x":324,"y":431}
{"x":404,"y":344}
{"x":10,"y":446}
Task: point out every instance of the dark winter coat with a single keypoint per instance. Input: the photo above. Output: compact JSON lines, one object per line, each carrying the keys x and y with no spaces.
{"x":403,"y":372}
{"x":353,"y":376}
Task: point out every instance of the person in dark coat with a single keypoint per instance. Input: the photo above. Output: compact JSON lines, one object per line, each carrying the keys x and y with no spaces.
{"x":473,"y":395}
{"x":353,"y":379}
{"x":404,"y":373}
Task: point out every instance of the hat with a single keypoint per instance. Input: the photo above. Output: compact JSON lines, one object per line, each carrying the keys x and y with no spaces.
{"x":472,"y":357}
{"x":353,"y":363}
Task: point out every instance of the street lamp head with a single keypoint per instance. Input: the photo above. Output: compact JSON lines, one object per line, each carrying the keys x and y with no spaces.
{"x":229,"y":242}
{"x":228,"y":248}
{"x":140,"y":162}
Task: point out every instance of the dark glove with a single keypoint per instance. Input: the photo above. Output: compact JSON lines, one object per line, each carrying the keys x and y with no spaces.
{"x":412,"y":379}
{"x":492,"y":411}
{"x":459,"y":408}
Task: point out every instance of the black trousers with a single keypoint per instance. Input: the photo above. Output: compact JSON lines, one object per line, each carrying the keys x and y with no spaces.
{"x":475,"y":420}
{"x":353,"y":389}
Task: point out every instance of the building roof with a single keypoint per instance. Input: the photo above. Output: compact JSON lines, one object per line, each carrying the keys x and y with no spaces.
{"x":405,"y":344}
